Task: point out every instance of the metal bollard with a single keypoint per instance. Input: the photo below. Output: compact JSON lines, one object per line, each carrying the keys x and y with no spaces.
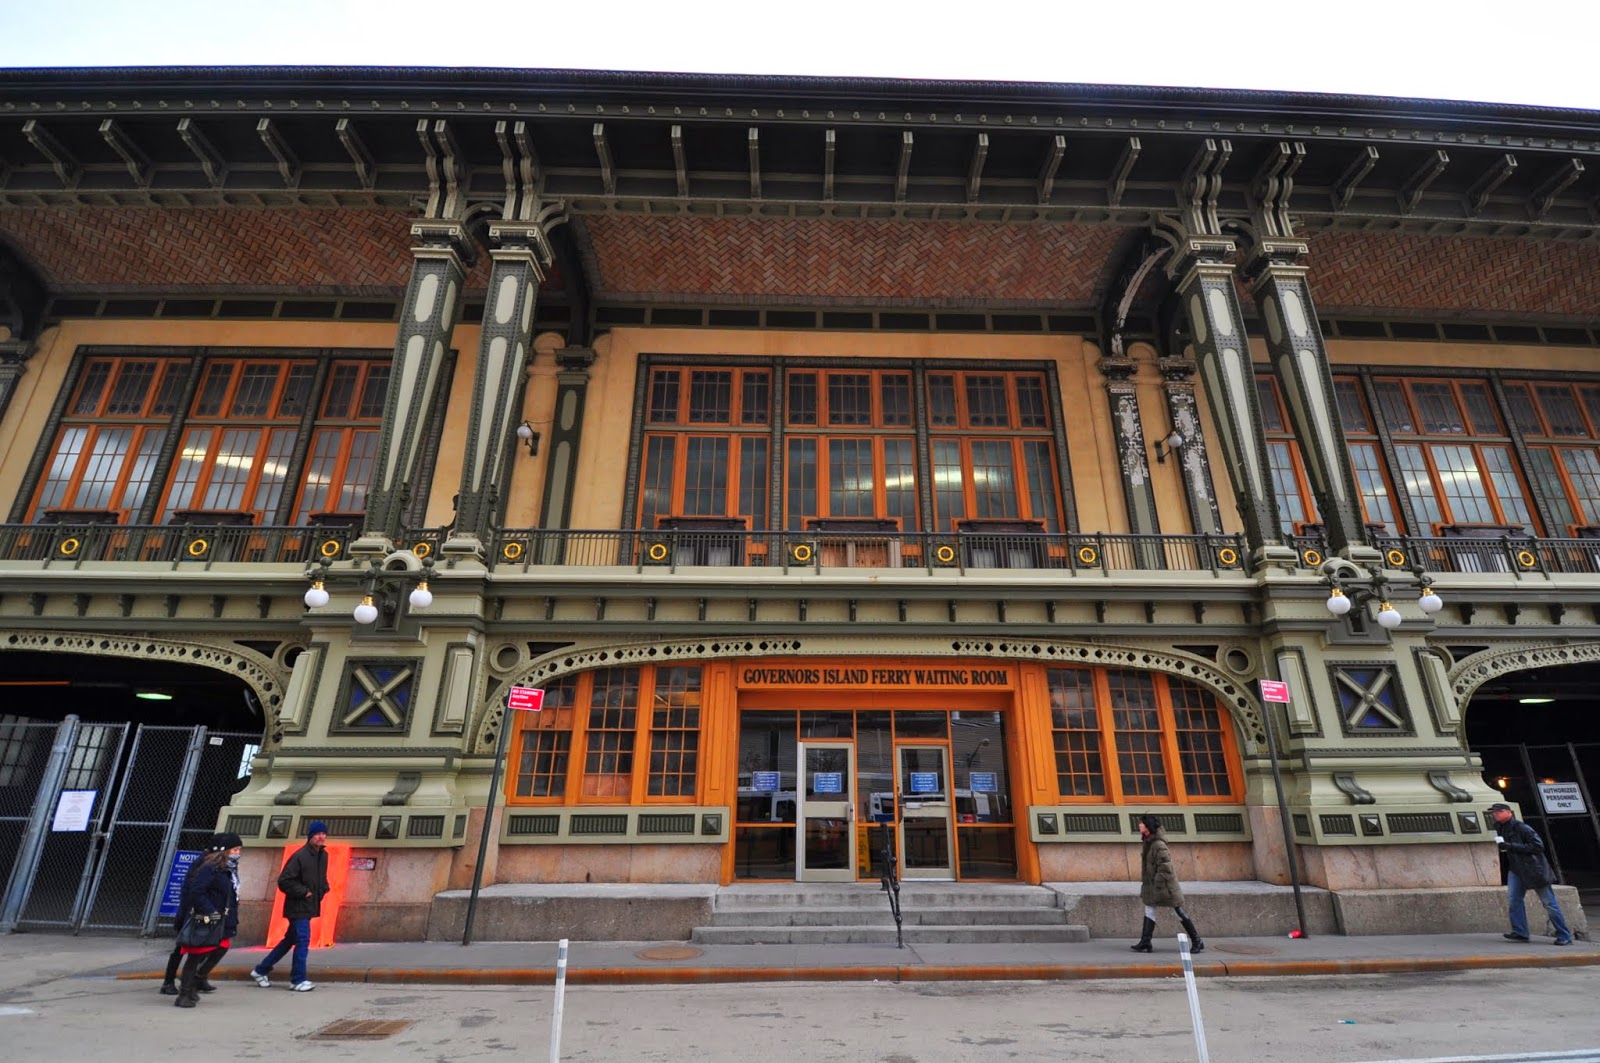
{"x":561,"y":993}
{"x":1194,"y":998}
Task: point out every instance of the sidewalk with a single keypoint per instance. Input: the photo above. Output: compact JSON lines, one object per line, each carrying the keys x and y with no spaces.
{"x":674,"y":962}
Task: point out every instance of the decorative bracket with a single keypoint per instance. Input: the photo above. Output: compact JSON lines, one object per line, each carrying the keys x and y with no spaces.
{"x":1440,"y":780}
{"x":298,"y":788}
{"x":1346,"y":782}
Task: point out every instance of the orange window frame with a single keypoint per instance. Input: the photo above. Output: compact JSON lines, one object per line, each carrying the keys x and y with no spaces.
{"x":1178,"y":791}
{"x":637,"y":789}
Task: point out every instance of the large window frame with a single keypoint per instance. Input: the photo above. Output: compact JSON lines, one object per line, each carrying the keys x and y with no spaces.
{"x":154,"y":435}
{"x":843,"y":442}
{"x":1124,"y":736}
{"x":612,"y":736}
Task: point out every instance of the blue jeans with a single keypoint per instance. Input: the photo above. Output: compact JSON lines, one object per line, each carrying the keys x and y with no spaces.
{"x":1519,"y":915}
{"x":298,"y":938}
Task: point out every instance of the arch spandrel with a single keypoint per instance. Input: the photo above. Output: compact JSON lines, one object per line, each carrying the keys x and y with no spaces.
{"x":1230,"y":692}
{"x":1472,"y":672}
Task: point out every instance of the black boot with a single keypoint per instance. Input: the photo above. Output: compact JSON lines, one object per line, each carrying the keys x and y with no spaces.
{"x":188,"y":991}
{"x":1195,"y":944}
{"x":169,"y":981}
{"x":207,"y":965}
{"x":1143,"y":944}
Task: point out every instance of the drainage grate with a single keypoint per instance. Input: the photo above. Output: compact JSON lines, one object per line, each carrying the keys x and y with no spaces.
{"x":360,"y":1029}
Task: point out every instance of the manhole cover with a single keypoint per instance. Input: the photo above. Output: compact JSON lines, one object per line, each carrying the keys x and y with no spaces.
{"x":361,"y":1029}
{"x":1244,"y":950}
{"x":669,"y":952}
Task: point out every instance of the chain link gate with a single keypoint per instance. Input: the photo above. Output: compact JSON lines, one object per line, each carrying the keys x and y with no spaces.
{"x":153,"y":797}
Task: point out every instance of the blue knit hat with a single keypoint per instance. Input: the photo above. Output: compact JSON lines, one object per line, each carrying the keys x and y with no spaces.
{"x":316,"y":827}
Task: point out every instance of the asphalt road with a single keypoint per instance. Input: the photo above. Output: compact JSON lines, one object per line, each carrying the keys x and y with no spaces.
{"x":49,"y":1012}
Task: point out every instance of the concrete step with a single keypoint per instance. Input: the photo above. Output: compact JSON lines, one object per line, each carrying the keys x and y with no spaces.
{"x":810,"y":916}
{"x":884,"y":935}
{"x":943,"y":895}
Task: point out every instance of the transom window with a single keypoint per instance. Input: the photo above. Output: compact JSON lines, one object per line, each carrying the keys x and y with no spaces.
{"x":614,"y":735}
{"x":1126,"y":736}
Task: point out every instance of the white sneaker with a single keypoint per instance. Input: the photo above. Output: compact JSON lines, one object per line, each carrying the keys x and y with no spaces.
{"x":302,"y":987}
{"x":261,"y":980}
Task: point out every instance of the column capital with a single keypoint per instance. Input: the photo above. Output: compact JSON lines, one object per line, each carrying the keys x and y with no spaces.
{"x":575,"y":359}
{"x":1276,"y":256}
{"x":437,"y":237}
{"x":14,"y":352}
{"x":1201,"y":254}
{"x":522,"y":236}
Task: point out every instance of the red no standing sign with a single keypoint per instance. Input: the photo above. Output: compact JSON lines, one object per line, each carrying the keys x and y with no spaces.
{"x":1275,"y":690}
{"x":525,"y":699}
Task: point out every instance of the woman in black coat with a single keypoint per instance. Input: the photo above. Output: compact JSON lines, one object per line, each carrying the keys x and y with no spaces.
{"x":213,"y":887}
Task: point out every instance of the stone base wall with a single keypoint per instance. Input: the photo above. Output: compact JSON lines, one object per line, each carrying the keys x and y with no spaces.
{"x":582,"y":913}
{"x":1457,"y":910}
{"x":1119,"y":861}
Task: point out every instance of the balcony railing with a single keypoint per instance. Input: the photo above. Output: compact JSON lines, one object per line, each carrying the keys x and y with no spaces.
{"x":180,"y":546}
{"x":1088,"y":554}
{"x":175,"y":545}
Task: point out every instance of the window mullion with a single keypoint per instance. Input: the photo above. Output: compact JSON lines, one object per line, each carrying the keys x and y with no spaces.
{"x":1110,"y":758}
{"x":1169,"y":742}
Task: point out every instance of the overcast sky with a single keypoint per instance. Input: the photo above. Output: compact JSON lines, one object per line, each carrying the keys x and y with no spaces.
{"x":1535,"y":52}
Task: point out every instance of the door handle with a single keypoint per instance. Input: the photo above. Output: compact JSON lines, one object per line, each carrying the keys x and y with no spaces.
{"x":849,"y":811}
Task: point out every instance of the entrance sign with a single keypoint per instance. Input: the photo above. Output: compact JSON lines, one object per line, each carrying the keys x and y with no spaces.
{"x":525,"y":699}
{"x":983,"y":782}
{"x":1561,"y":797}
{"x":182,"y":861}
{"x":765,"y":780}
{"x":924,"y":782}
{"x":72,"y":812}
{"x":827,"y":782}
{"x":1275,"y":690}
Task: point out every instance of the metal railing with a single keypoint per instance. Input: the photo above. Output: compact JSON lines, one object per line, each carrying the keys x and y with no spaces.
{"x":1087,"y":554}
{"x":522,"y":549}
{"x":72,"y":545}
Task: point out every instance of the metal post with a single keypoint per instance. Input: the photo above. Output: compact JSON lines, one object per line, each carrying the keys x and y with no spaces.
{"x":488,"y":821}
{"x":561,"y":996}
{"x":33,"y":837}
{"x":1283,"y":813}
{"x":1583,"y":789}
{"x":1194,"y":998}
{"x":1538,"y":807}
{"x":169,"y":841}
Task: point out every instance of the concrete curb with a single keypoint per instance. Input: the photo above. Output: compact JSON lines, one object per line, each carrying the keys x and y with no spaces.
{"x":911,"y":972}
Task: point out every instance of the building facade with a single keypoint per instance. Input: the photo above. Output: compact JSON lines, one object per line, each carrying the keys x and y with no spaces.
{"x":946,"y":462}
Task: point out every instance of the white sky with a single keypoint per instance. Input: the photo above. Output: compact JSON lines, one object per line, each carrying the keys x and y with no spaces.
{"x":1536,"y":51}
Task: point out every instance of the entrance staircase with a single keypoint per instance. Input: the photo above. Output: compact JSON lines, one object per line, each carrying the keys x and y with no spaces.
{"x":858,"y":913}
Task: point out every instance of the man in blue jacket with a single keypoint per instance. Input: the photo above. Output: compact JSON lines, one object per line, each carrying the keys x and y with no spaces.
{"x":1526,"y":869}
{"x":303,"y":882}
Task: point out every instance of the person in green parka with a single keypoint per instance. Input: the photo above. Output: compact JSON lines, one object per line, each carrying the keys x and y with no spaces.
{"x":1159,"y":886}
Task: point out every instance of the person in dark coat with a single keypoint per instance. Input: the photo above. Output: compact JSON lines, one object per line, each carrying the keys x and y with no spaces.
{"x":213,"y":888}
{"x":1158,"y":886}
{"x":1526,"y":869}
{"x":169,"y":981}
{"x":303,"y":882}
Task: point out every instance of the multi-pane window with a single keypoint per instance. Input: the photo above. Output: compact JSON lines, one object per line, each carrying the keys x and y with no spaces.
{"x":1454,"y":458}
{"x":613,"y":735}
{"x":1561,"y":423}
{"x":1296,"y":506}
{"x":848,"y":447}
{"x":1124,"y":736}
{"x":235,"y":444}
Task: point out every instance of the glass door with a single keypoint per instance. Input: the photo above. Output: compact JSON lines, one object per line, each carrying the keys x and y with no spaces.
{"x":826,"y":817}
{"x":923,"y":783}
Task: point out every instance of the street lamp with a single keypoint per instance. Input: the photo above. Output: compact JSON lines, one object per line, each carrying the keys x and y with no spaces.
{"x":1346,"y":590}
{"x":382,"y":583}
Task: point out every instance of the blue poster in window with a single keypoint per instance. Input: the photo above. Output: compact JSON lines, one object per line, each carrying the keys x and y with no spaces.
{"x":182,"y":860}
{"x":765,"y":780}
{"x":827,"y":782}
{"x":983,"y":782}
{"x":924,"y":782}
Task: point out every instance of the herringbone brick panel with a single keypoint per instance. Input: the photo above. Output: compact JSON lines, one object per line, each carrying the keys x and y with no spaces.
{"x":353,"y":252}
{"x":847,"y":259}
{"x":1477,"y":275}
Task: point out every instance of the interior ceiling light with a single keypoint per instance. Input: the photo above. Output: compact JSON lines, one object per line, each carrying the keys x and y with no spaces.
{"x":1534,"y":700}
{"x":153,"y":695}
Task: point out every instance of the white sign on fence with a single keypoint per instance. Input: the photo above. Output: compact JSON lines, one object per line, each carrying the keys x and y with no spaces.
{"x":1561,"y":797}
